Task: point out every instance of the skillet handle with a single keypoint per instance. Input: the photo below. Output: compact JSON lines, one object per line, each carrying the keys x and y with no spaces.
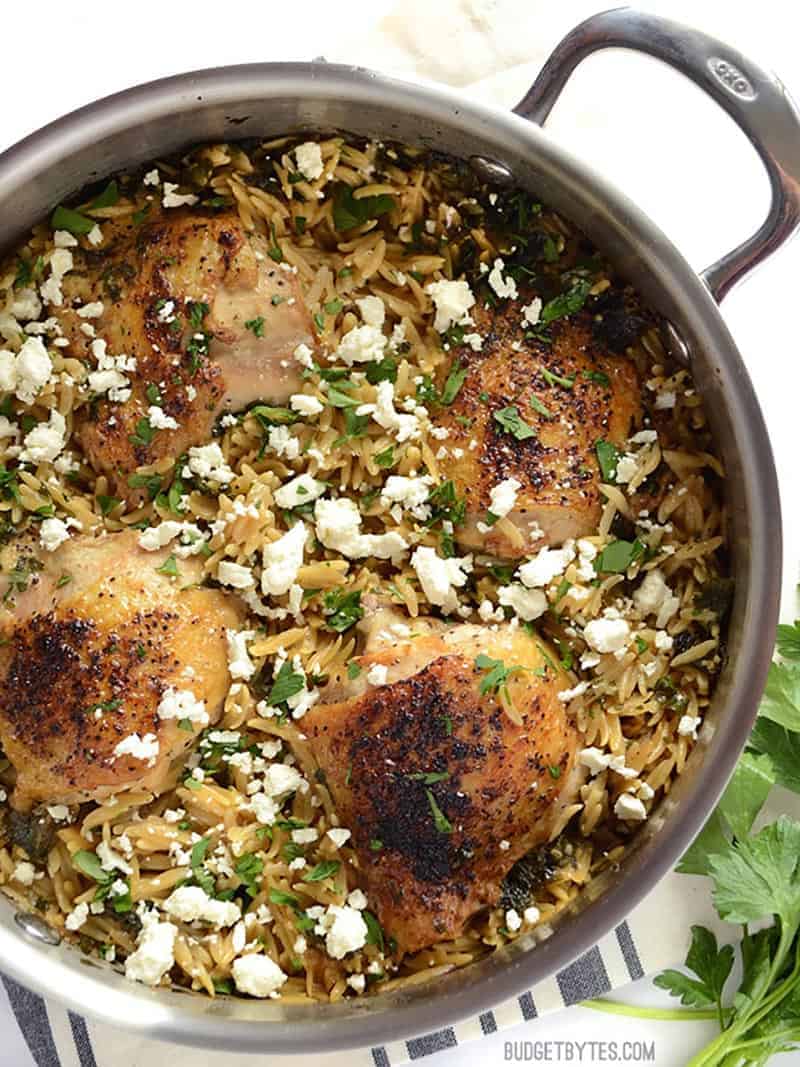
{"x":756,"y":101}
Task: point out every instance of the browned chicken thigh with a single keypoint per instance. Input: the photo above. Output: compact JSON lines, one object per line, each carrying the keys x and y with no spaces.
{"x":446,"y":773}
{"x":89,"y":649}
{"x":210,"y":320}
{"x":570,"y":393}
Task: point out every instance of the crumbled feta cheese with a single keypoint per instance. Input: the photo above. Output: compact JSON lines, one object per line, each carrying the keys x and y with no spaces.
{"x":566,"y":695}
{"x":546,"y":565}
{"x":182,"y":704}
{"x":159,"y":420}
{"x":26,"y":305}
{"x":356,"y":899}
{"x":531,"y":313}
{"x":192,"y":538}
{"x":309,"y":160}
{"x":282,"y":559}
{"x":154,"y":954}
{"x":239,"y":663}
{"x":235,"y":575}
{"x":282,"y":443}
{"x":513,"y":921}
{"x":410,"y":493}
{"x":257,"y":975}
{"x":61,"y":262}
{"x":299,"y":490}
{"x":143,"y":748}
{"x":687,"y":726}
{"x":405,"y":427}
{"x":503,"y":497}
{"x":344,"y":929}
{"x":529,"y":604}
{"x":306,"y":835}
{"x":152,"y":177}
{"x":281,"y":778}
{"x":110,"y":860}
{"x":91,"y":311}
{"x":654,"y":596}
{"x":357,"y":982}
{"x":171,"y":198}
{"x":46,"y":440}
{"x":504,"y":845}
{"x":54,"y":532}
{"x":24,"y":873}
{"x":304,"y":355}
{"x":439,"y":577}
{"x":306,"y":405}
{"x":629,"y":808}
{"x":110,"y":374}
{"x":594,"y":759}
{"x":504,"y":287}
{"x":663,"y":641}
{"x":377,"y":674}
{"x":77,"y":917}
{"x":64,"y":239}
{"x":58,"y":812}
{"x":208,"y":463}
{"x":531,"y":915}
{"x":373,"y":310}
{"x":665,"y":399}
{"x":338,"y":526}
{"x":189,"y":903}
{"x":32,"y":370}
{"x":607,"y":635}
{"x":452,"y":301}
{"x":338,"y":835}
{"x":361,"y":344}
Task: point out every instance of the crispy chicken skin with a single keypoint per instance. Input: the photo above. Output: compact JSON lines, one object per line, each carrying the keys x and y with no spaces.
{"x":431,"y":775}
{"x":84,"y":664}
{"x":155,"y":285}
{"x":557,"y":466}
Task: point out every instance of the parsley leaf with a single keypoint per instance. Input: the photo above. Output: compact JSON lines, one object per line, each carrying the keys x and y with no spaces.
{"x":565,"y":303}
{"x":256,"y":326}
{"x":324,"y":869}
{"x":710,"y":963}
{"x":342,"y":609}
{"x":617,"y":556}
{"x":64,"y":218}
{"x":789,"y":641}
{"x":287,"y":683}
{"x":249,"y":868}
{"x":512,"y":422}
{"x":455,"y":380}
{"x":349,"y":212}
{"x":607,"y":458}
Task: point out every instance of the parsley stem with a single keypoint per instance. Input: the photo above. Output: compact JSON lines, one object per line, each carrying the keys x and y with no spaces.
{"x":615,"y":1007}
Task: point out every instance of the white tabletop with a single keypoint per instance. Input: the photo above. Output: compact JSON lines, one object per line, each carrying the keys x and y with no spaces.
{"x":653,"y":135}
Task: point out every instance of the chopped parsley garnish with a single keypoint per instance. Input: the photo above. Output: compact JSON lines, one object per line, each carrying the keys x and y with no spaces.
{"x":272,"y":416}
{"x":28,"y":271}
{"x":249,"y":868}
{"x":333,"y":307}
{"x":446,"y":504}
{"x":197,"y":312}
{"x":565,"y":303}
{"x":539,"y":407}
{"x":607,"y":458}
{"x":440,"y":820}
{"x":275,"y":252}
{"x":144,"y":433}
{"x":201,"y":875}
{"x":150,"y":482}
{"x":374,"y":930}
{"x":349,"y":212}
{"x":557,"y":379}
{"x":383,"y":371}
{"x":495,"y":679}
{"x":108,"y":197}
{"x":429,"y":777}
{"x":554,"y":771}
{"x":354,"y":426}
{"x":452,"y":386}
{"x":277,"y":896}
{"x":287,"y":683}
{"x":256,"y":326}
{"x":353,"y":670}
{"x":385,"y":458}
{"x":597,"y":376}
{"x":323,"y":870}
{"x":64,"y":218}
{"x":65,"y":579}
{"x":169,"y":567}
{"x":375,"y":844}
{"x":106,"y":705}
{"x":339,"y":398}
{"x":510,"y":420}
{"x":617,"y":556}
{"x":153,"y":395}
{"x":342,"y":609}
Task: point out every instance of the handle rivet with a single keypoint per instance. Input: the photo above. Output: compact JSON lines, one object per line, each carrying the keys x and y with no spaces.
{"x":36,"y":928}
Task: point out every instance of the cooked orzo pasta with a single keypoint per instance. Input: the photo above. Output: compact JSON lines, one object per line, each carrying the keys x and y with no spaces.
{"x":363,"y":568}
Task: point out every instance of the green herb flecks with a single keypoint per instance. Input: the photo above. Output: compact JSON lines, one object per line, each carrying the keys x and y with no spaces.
{"x":349,"y":212}
{"x":512,"y":422}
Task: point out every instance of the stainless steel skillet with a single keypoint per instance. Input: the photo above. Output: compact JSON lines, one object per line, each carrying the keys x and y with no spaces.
{"x":264,"y":100}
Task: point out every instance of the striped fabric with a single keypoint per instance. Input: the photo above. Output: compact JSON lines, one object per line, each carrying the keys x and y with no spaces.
{"x":641,"y":945}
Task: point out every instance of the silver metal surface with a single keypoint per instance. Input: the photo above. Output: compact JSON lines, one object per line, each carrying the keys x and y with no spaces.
{"x":755,"y":99}
{"x":264,"y":100}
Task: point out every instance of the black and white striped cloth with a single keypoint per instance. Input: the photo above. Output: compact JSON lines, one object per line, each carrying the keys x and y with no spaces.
{"x":641,"y":945}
